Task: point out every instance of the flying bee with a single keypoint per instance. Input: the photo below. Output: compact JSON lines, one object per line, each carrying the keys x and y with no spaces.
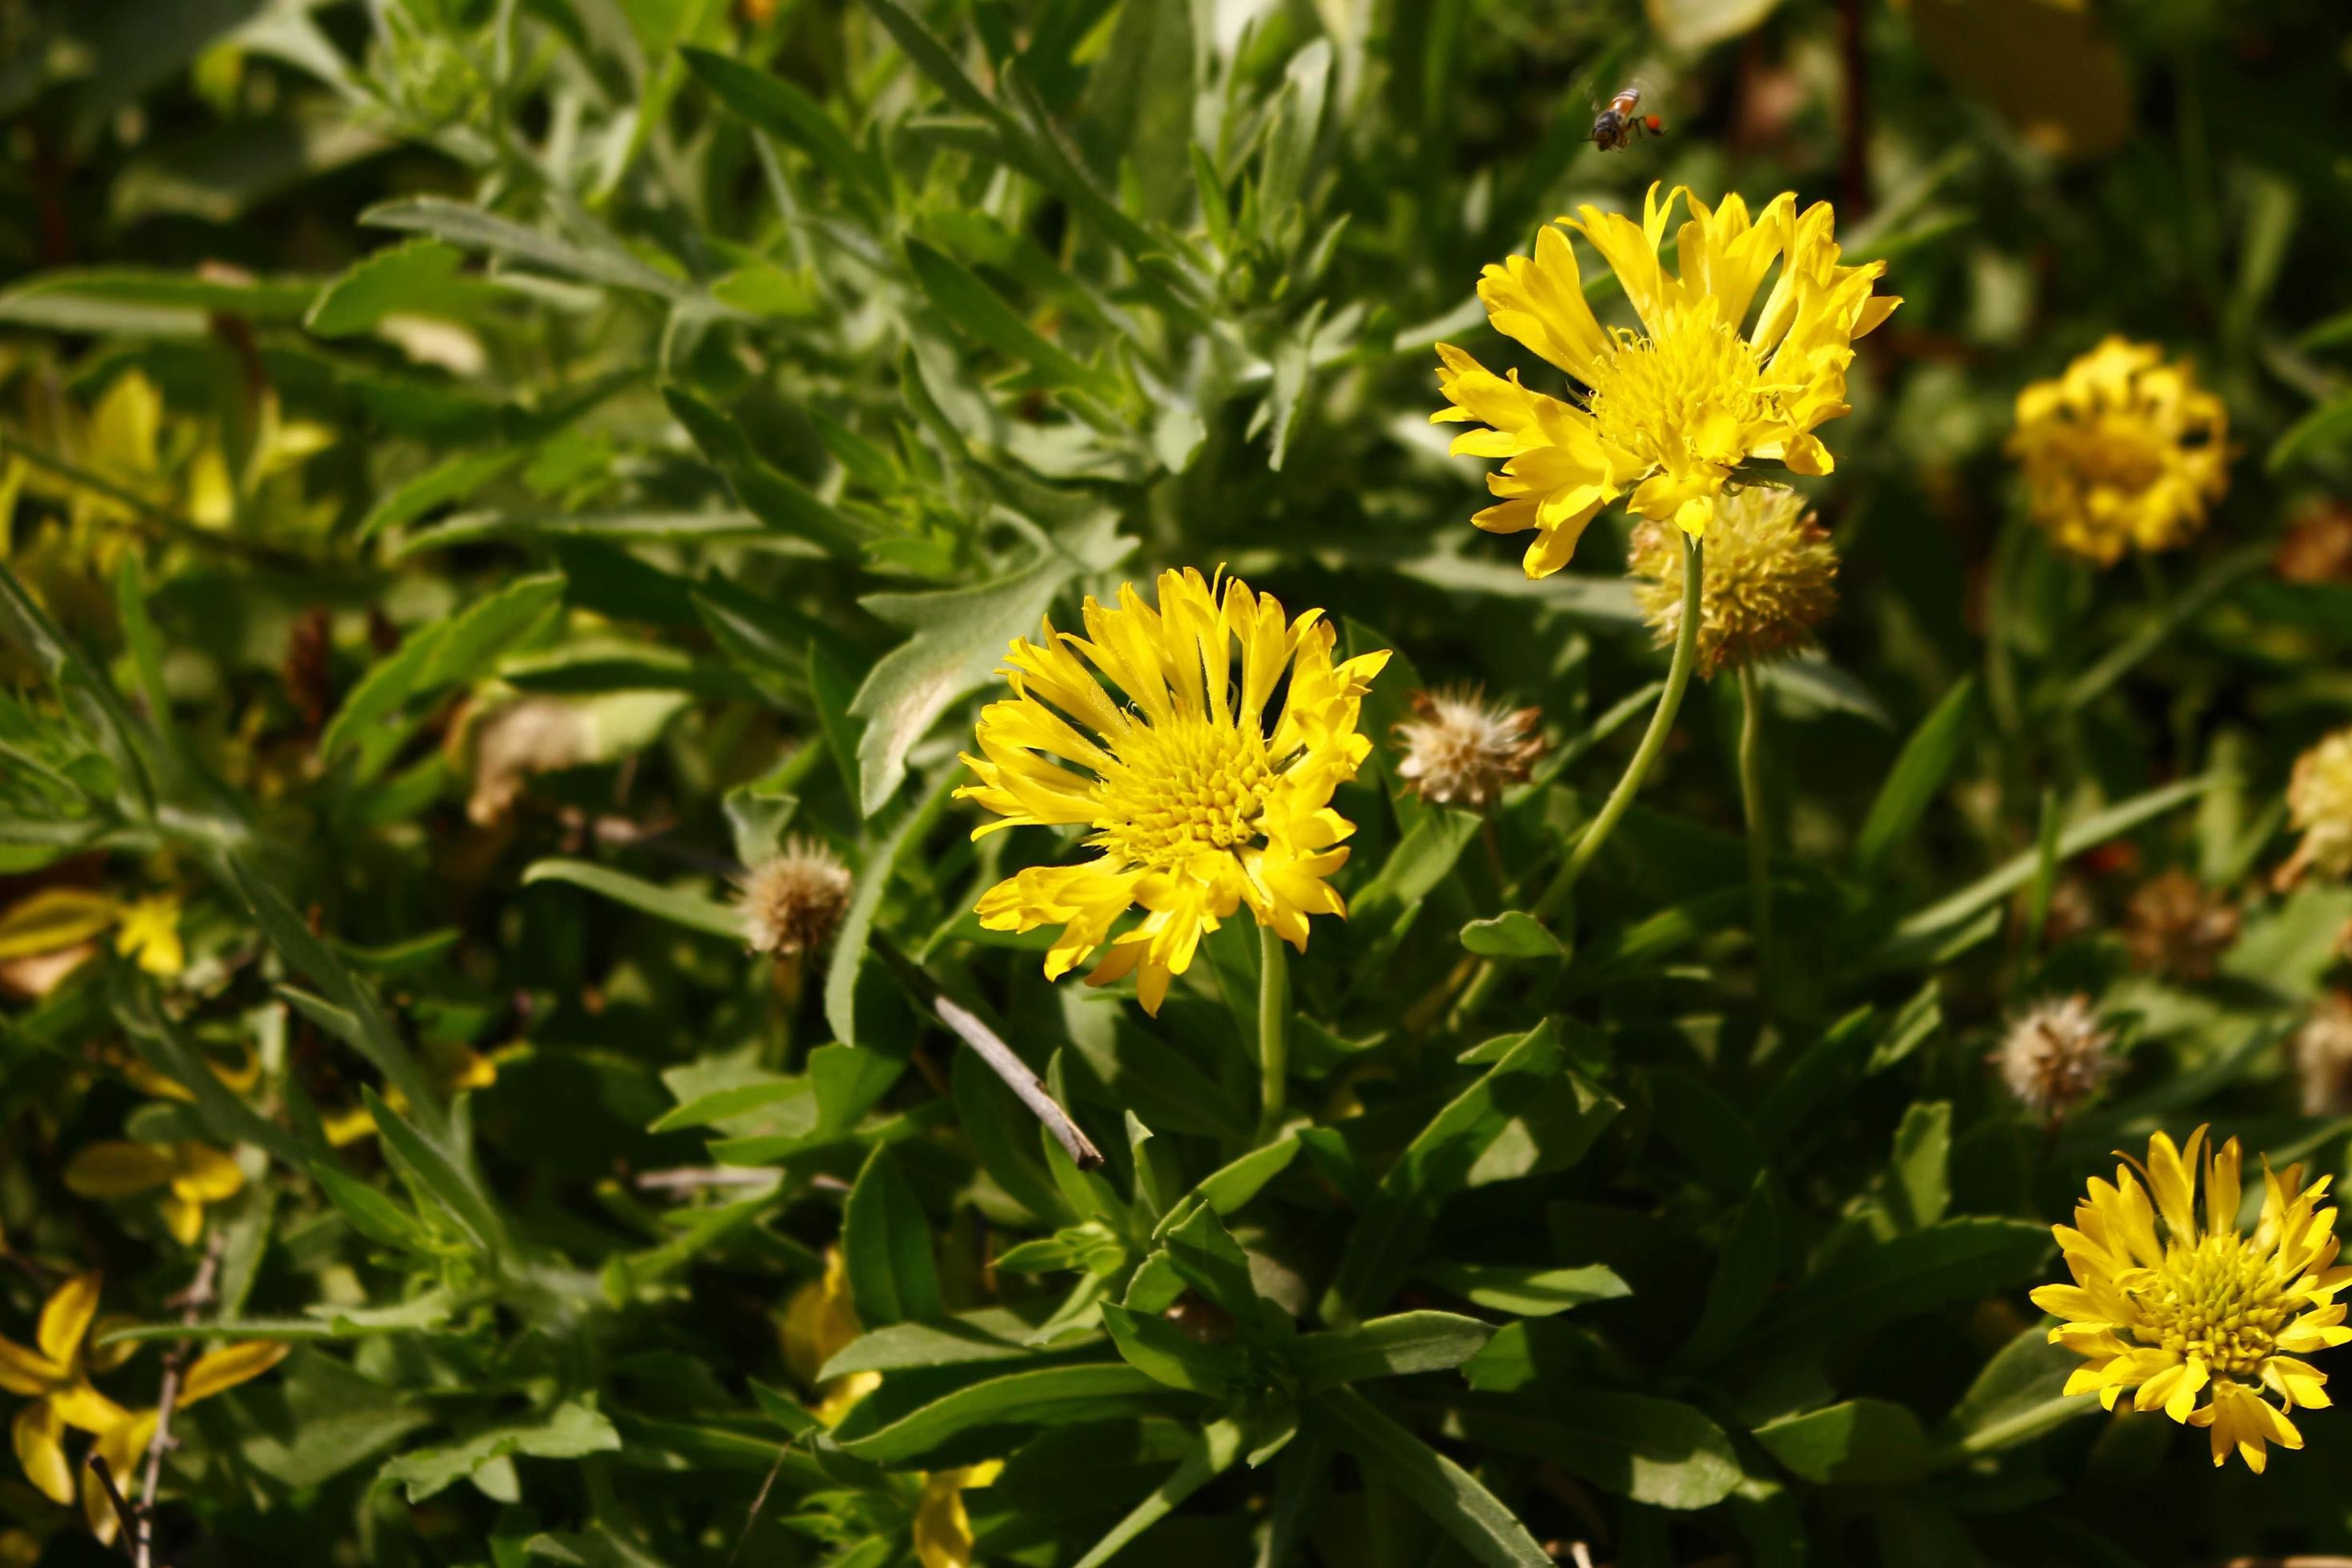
{"x":1621,"y":122}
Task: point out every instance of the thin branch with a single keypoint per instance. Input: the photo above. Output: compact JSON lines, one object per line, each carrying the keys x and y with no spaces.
{"x":992,"y":1050}
{"x":695,"y":1178}
{"x":125,"y":1515}
{"x":192,"y":1302}
{"x":752,"y":1520}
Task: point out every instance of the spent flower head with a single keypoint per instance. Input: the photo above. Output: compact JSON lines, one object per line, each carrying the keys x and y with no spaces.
{"x":2319,"y":806}
{"x":791,"y":902}
{"x":2199,"y":1310}
{"x":1461,"y":750}
{"x":2317,"y":546}
{"x":1200,"y":799}
{"x":2056,"y":1056}
{"x":2176,"y":926}
{"x":2323,"y":1055}
{"x":1670,"y":412}
{"x":2123,"y":450}
{"x":1769,"y":579}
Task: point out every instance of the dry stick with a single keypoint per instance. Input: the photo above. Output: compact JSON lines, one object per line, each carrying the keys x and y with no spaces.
{"x":125,"y":1515}
{"x":752,"y":1520}
{"x":192,"y":1302}
{"x":993,"y":1050}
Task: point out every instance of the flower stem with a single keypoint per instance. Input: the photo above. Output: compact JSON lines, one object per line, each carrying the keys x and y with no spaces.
{"x":1751,"y":798}
{"x":1272,"y":1029}
{"x":1621,"y":799}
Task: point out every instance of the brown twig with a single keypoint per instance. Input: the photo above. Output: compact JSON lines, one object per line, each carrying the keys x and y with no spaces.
{"x":125,"y":1515}
{"x":695,"y":1178}
{"x":1000,"y":1057}
{"x":202,"y":1291}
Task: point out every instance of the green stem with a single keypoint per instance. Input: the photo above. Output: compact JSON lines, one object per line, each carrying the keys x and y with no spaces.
{"x":1621,"y":799}
{"x":1751,"y":798}
{"x":1272,"y":1029}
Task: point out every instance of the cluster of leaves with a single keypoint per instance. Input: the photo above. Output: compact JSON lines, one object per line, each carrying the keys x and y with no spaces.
{"x":479,"y":473}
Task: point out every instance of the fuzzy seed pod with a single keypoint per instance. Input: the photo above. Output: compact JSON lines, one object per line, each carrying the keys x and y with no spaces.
{"x":2178,"y":927}
{"x":791,"y":902}
{"x":1771,"y":577}
{"x":2056,"y":1056}
{"x":1460,"y":750}
{"x":2319,"y":806}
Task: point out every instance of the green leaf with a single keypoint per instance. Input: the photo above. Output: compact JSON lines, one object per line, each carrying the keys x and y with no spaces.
{"x":1047,"y":1396}
{"x":1918,"y":1187}
{"x":1153,"y":1345}
{"x":958,"y":638}
{"x":1525,"y":1292}
{"x":371,"y":1212}
{"x":432,"y":1172}
{"x":992,"y":1334}
{"x":1926,"y":762}
{"x":2326,"y":427}
{"x":1511,"y":934}
{"x":437,"y":654}
{"x":594,"y":257}
{"x":691,"y":910}
{"x":1388,"y":1347}
{"x":975,"y":308}
{"x":1656,"y":1451}
{"x":570,"y":1431}
{"x":444,"y":484}
{"x":146,"y":301}
{"x":885,"y":1243}
{"x":1231,"y":1186}
{"x":1212,"y":1453}
{"x":1863,"y":1442}
{"x":2019,"y":1396}
{"x":785,"y":113}
{"x":1452,"y":1498}
{"x":772,"y":496}
{"x":1745,"y":1270}
{"x":416,"y":278}
{"x":1953,"y":1261}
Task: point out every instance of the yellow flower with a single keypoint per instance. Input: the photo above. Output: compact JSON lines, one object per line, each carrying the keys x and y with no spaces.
{"x":1770,"y":578}
{"x":194,"y":1174}
{"x":150,"y":933}
{"x":2203,"y":1309}
{"x":123,"y":1444}
{"x":51,"y":1374}
{"x":2123,"y":449}
{"x":450,"y":1065}
{"x":942,"y":1529}
{"x":2319,"y":806}
{"x":818,"y":1324}
{"x":1674,"y":410}
{"x":1199,"y":803}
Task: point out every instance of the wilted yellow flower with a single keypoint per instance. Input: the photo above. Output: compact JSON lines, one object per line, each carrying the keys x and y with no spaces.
{"x":2056,"y":1056}
{"x":2202,"y":1310}
{"x":56,"y":919}
{"x":942,"y":1529}
{"x":818,"y":1324}
{"x":1199,"y":805}
{"x":192,"y":1174}
{"x":2319,"y":806}
{"x":2317,"y":546}
{"x":791,"y":902}
{"x":123,"y":1443}
{"x":1461,"y":750}
{"x":2124,"y":450}
{"x":53,"y":1374}
{"x":1770,"y":578}
{"x":1674,"y":410}
{"x":530,"y":735}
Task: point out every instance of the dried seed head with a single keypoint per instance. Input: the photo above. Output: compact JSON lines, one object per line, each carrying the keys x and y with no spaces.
{"x":2317,"y":546}
{"x":2323,"y":1055}
{"x":1460,"y":750}
{"x":1771,"y":577}
{"x":2056,"y":1056}
{"x":2319,"y":805}
{"x":534,"y":735}
{"x":791,"y":902}
{"x":2176,"y":926}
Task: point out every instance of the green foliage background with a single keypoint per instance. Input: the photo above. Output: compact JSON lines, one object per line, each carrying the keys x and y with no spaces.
{"x":743,"y":376}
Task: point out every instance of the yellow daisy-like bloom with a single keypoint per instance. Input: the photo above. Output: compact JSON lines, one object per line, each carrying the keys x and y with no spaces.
{"x":1675,"y":410}
{"x":2124,"y":450}
{"x":1200,"y":801}
{"x":192,"y":1175}
{"x":2202,"y":1310}
{"x":123,"y":1443}
{"x":53,"y":1374}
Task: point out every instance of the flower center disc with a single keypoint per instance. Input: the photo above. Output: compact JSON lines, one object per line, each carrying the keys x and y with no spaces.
{"x":2219,"y":1300}
{"x":1193,"y":786}
{"x":1683,"y":395}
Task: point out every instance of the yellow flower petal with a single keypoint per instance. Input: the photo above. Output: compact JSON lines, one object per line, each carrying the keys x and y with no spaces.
{"x":52,"y":918}
{"x":230,"y":1365}
{"x":38,"y":1434}
{"x":65,"y":1316}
